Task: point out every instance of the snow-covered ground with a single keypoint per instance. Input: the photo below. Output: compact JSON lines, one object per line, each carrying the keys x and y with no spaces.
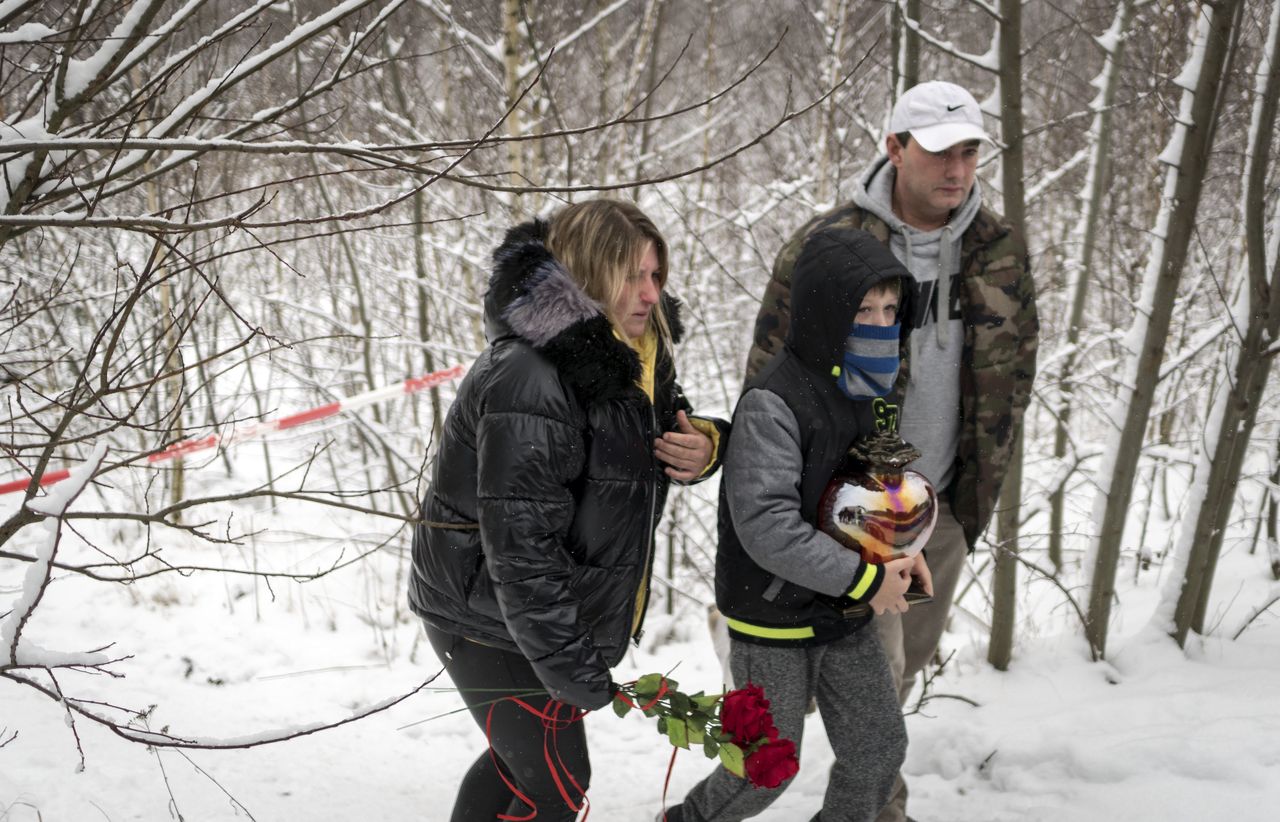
{"x":1151,"y":734}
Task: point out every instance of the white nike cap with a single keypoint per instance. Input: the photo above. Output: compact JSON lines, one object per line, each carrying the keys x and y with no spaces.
{"x":938,"y":115}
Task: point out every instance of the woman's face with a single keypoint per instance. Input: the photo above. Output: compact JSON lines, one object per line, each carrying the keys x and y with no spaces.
{"x":639,"y":295}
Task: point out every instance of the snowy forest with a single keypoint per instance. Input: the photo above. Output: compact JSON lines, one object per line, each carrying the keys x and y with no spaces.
{"x":243,"y":253}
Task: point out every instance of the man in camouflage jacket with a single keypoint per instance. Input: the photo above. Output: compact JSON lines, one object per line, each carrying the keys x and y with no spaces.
{"x":967,"y":373}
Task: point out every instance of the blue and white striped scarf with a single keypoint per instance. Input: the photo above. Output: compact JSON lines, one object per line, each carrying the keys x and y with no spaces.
{"x":870,"y":361}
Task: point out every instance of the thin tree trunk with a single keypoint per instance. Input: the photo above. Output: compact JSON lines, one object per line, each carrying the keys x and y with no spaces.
{"x":647,"y":56}
{"x":906,"y":47}
{"x":421,"y":271}
{"x":1148,"y":503}
{"x":171,"y":396}
{"x":1273,"y":517}
{"x":1005,"y":586}
{"x":1095,"y":188}
{"x":261,"y":406}
{"x":511,"y":39}
{"x":1237,"y":408}
{"x":828,"y":167}
{"x":1193,"y":137}
{"x":1004,"y":582}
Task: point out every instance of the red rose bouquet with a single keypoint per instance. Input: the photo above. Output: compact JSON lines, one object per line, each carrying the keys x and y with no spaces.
{"x":736,"y":727}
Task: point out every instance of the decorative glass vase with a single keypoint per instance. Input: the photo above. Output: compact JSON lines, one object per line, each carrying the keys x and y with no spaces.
{"x":875,"y":505}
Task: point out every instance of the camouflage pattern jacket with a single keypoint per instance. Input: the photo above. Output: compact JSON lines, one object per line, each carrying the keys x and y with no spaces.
{"x":998,"y":362}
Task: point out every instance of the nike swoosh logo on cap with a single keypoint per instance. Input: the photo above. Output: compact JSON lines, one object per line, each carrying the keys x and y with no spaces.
{"x":953,"y":108}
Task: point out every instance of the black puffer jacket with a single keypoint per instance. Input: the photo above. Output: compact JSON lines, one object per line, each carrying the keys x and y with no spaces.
{"x":549,"y":448}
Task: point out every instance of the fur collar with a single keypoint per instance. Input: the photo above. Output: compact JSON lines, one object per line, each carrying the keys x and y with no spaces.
{"x":532,"y":296}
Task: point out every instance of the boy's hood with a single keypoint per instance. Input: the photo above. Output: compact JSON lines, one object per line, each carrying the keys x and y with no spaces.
{"x":834,"y":271}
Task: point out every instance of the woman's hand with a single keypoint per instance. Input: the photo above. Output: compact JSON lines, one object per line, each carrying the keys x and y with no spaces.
{"x":686,"y":450}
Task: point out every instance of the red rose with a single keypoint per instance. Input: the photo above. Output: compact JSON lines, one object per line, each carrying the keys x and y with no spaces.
{"x":773,"y":764}
{"x":745,"y":714}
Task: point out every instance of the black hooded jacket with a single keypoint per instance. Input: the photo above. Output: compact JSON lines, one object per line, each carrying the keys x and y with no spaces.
{"x":833,"y":273}
{"x":548,"y":447}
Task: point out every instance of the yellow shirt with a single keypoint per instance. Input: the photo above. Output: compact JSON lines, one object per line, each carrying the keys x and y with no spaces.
{"x":646,"y":349}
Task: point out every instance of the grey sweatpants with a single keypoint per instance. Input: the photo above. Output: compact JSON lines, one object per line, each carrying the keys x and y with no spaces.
{"x":858,"y":705}
{"x":911,"y":639}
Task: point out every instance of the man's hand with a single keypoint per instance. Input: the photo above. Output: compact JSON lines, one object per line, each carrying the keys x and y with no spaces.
{"x":897,"y":578}
{"x":686,"y":451}
{"x":921,"y":573}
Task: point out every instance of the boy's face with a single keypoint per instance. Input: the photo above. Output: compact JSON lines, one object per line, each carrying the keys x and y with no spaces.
{"x":879,"y":307}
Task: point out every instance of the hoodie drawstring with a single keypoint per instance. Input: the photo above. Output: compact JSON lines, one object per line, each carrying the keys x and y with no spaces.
{"x":913,"y":342}
{"x":943,"y":288}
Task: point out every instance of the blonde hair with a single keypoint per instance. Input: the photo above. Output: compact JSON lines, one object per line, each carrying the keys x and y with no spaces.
{"x":601,"y":242}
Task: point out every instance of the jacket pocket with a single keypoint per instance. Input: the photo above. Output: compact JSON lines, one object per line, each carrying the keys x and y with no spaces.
{"x":787,"y":595}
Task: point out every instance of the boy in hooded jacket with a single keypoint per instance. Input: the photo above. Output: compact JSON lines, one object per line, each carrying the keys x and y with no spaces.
{"x":785,"y":587}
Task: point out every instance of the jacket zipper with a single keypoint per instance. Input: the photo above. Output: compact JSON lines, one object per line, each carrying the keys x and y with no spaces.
{"x":642,"y":607}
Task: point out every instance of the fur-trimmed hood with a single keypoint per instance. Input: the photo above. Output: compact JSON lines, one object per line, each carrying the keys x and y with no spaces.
{"x":532,"y":296}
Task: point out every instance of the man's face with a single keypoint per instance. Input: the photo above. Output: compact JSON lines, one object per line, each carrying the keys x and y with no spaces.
{"x":930,"y":185}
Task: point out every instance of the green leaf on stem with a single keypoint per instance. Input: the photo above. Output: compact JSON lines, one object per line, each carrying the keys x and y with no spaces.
{"x":678,"y":733}
{"x":647,"y":686}
{"x":732,"y":759}
{"x":705,"y":702}
{"x":619,"y":707}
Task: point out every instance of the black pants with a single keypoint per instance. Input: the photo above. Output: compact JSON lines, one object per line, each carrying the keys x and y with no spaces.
{"x":484,"y":676}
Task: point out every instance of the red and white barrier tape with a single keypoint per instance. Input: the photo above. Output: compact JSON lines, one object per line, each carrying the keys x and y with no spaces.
{"x":179,"y":450}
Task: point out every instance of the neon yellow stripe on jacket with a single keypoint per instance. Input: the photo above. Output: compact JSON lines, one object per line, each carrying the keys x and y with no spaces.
{"x":798,"y":632}
{"x":869,"y":572}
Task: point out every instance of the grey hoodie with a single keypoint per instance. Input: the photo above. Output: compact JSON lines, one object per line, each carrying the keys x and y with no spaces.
{"x":931,"y":408}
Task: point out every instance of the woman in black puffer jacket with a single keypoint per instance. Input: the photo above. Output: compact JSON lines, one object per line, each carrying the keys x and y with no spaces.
{"x":531,"y":567}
